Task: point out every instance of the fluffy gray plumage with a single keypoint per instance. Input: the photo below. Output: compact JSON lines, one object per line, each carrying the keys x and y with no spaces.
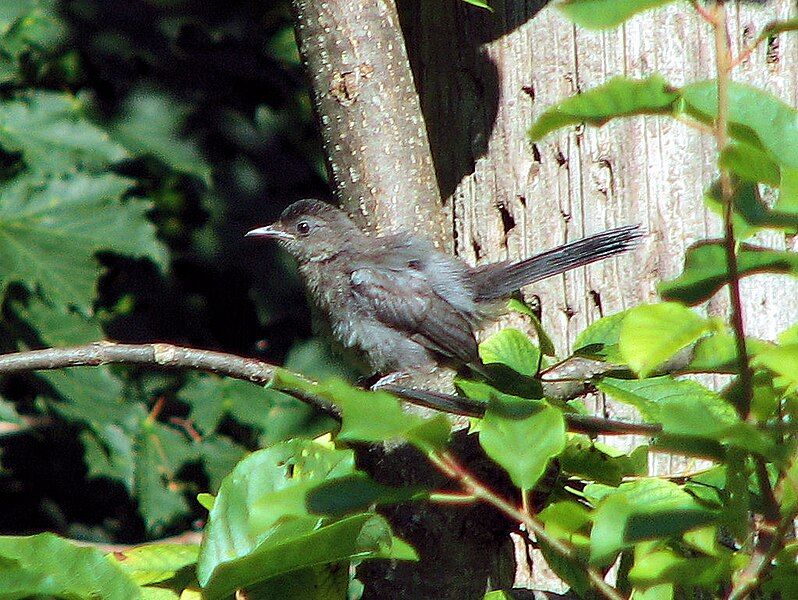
{"x":400,"y":302}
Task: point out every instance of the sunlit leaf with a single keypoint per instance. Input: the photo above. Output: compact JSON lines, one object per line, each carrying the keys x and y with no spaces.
{"x":755,"y":116}
{"x":370,"y":416}
{"x":619,"y":97}
{"x":751,"y":163}
{"x":600,"y":339}
{"x":546,"y":344}
{"x":643,"y":510}
{"x":651,"y":334}
{"x":603,"y":14}
{"x":512,"y":348}
{"x":154,"y":563}
{"x":45,"y":565}
{"x":705,"y":270}
{"x":522,"y":436}
{"x":259,"y":526}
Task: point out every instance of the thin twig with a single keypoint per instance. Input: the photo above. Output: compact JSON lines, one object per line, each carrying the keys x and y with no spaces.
{"x":723,"y":59}
{"x":448,"y":465}
{"x":704,"y":13}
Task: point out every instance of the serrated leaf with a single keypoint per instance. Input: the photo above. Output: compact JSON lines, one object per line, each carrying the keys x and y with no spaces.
{"x":643,"y":510}
{"x":151,"y":124}
{"x":619,"y":97}
{"x":52,"y":230}
{"x":705,"y":270}
{"x":512,"y":348}
{"x":603,"y":14}
{"x":46,"y":565}
{"x":274,"y":415}
{"x":651,"y":334}
{"x":160,"y":452}
{"x":522,"y":436}
{"x":53,"y":136}
{"x":219,"y":455}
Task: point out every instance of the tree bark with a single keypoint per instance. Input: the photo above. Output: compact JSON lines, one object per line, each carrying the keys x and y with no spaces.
{"x":368,"y":110}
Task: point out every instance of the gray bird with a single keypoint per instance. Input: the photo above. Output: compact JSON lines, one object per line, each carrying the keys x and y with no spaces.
{"x":405,"y":306}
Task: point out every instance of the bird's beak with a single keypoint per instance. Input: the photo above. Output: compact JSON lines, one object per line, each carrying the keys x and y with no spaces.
{"x":270,"y":231}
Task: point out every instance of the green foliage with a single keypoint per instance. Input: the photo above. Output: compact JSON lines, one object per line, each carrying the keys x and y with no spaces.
{"x":522,"y":436}
{"x":261,"y":526}
{"x":46,"y":565}
{"x":603,"y":14}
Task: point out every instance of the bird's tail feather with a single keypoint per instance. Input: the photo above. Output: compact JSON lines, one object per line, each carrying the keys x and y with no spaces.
{"x":498,"y":281}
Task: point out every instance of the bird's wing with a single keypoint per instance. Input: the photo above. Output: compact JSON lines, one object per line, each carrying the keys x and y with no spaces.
{"x":403,"y":299}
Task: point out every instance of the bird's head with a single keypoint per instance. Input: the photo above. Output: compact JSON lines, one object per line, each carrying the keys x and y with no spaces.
{"x":311,"y":230}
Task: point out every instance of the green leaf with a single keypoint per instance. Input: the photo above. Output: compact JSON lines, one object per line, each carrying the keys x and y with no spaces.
{"x":512,"y":348}
{"x":53,"y":136}
{"x":686,"y":408}
{"x":160,"y":453}
{"x":274,"y":415}
{"x":603,"y":14}
{"x":717,"y":353}
{"x":154,"y":563}
{"x":664,"y":565}
{"x":370,"y":416}
{"x":755,"y":116}
{"x":783,"y":361}
{"x":651,"y":334}
{"x":259,"y":526}
{"x":356,"y":493}
{"x":643,"y":510}
{"x":480,"y":4}
{"x":46,"y":565}
{"x":546,"y":345}
{"x":594,"y":461}
{"x":151,"y":124}
{"x":219,"y":454}
{"x":750,"y":213}
{"x":705,"y":270}
{"x":600,"y":339}
{"x":522,"y":436}
{"x":28,"y":30}
{"x":751,"y":163}
{"x":570,"y":522}
{"x":52,"y":230}
{"x":619,"y":97}
{"x":788,"y":194}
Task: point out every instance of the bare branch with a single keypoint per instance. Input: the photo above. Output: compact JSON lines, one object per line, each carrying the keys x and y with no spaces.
{"x":261,"y":373}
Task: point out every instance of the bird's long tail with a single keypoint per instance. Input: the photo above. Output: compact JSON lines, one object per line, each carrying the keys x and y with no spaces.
{"x":500,"y":280}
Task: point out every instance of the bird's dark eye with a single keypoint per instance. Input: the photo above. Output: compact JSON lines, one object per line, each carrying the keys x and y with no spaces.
{"x":303,"y":228}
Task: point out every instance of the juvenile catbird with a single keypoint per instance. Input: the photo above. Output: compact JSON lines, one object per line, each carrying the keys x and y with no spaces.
{"x":405,"y":306}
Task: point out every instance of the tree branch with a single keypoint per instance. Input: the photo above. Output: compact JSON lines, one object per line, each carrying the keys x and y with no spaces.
{"x":261,"y":373}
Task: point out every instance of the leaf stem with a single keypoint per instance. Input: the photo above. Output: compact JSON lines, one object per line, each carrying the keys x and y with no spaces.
{"x":723,"y":60}
{"x":448,"y":465}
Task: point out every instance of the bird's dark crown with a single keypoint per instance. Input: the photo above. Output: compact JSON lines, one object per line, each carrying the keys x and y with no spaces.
{"x":308,"y":207}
